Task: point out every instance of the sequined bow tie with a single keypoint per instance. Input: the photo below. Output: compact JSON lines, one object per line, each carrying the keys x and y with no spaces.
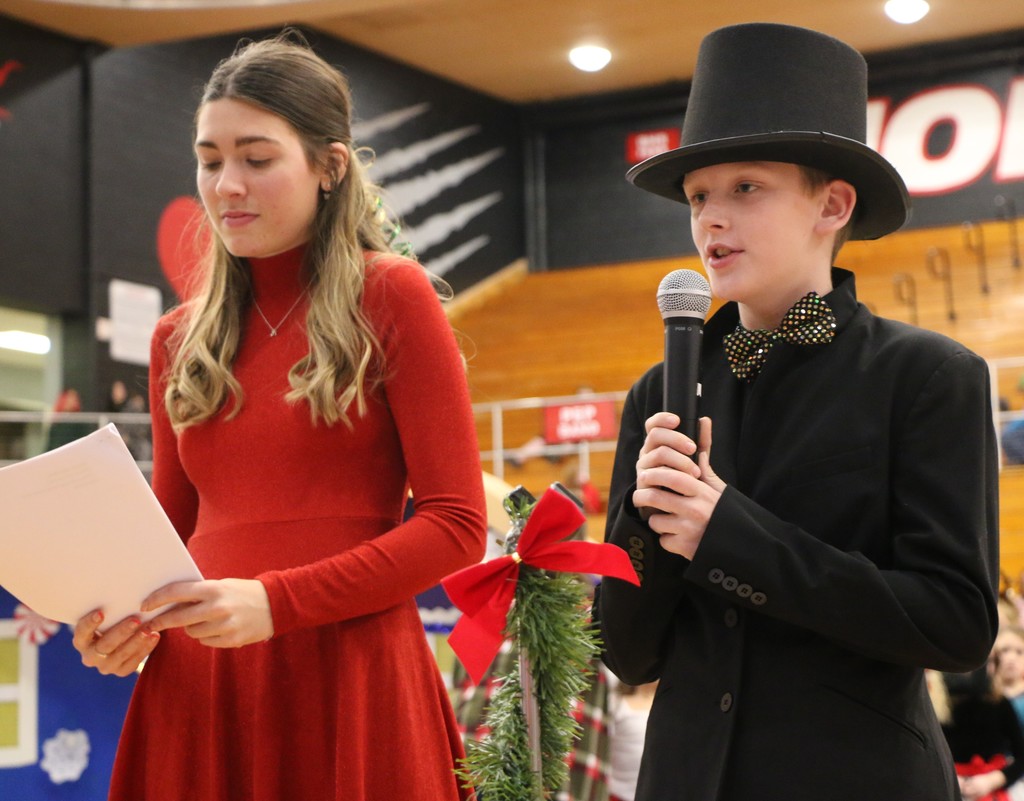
{"x":809,"y":322}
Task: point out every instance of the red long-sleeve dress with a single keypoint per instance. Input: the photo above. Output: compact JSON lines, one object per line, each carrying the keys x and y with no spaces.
{"x":345,"y":702}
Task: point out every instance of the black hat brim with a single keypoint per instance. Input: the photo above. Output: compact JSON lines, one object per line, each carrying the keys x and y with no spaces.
{"x":883,"y":203}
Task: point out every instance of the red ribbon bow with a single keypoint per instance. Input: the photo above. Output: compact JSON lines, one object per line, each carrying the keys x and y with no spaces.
{"x":485,"y":592}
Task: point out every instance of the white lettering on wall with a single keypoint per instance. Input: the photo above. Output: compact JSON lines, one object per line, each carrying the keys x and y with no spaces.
{"x":878,"y":110}
{"x":974,"y":114}
{"x":1011,"y":156}
{"x":578,"y":422}
{"x":651,"y":144}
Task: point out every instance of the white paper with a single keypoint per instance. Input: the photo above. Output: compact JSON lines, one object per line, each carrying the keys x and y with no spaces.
{"x":80,"y":529}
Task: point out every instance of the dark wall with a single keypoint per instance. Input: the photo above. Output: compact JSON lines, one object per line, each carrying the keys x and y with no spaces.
{"x":459,"y":194}
{"x":140,"y":158}
{"x":953,"y":123}
{"x":143,"y":103}
{"x":454,"y":170}
{"x":42,"y":191}
{"x":95,"y":146}
{"x":588,"y":213}
{"x":592,"y":215}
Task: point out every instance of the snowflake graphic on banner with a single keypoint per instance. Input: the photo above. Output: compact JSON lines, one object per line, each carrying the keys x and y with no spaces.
{"x":33,"y":627}
{"x":66,"y":755}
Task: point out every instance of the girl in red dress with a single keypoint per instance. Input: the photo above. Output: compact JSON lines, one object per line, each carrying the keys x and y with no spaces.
{"x":296,"y":399}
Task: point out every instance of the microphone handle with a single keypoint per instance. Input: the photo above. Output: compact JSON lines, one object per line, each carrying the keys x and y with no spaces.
{"x":683,"y":336}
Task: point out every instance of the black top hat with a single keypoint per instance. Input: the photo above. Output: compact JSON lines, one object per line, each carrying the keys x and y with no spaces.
{"x":767,"y":92}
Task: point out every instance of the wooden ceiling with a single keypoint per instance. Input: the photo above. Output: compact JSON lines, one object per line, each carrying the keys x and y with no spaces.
{"x":516,"y":49}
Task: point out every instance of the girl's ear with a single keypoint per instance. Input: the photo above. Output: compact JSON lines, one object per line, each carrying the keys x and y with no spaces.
{"x":337,"y":166}
{"x":840,"y":198}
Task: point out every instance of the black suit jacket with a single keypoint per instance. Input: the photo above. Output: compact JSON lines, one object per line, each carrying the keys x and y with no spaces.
{"x":856,"y":544}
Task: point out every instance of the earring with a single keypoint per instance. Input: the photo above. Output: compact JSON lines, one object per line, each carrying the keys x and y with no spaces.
{"x":325,"y":192}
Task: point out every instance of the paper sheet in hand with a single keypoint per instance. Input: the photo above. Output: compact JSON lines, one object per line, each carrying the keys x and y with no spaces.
{"x":80,"y":529}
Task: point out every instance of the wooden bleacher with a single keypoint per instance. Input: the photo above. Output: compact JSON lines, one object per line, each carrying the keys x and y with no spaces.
{"x":1011,"y":521}
{"x":548,"y":334}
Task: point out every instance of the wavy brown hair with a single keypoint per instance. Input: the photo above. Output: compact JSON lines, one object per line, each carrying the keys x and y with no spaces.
{"x":345,"y":361}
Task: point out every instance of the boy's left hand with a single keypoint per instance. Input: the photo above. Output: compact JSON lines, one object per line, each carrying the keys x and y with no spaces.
{"x":677,"y":485}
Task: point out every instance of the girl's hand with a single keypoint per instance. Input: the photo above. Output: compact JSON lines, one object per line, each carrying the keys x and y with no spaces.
{"x":118,"y":651}
{"x":225,"y":613}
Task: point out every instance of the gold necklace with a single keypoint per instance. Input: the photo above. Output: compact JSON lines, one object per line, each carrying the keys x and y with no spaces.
{"x":274,"y":328}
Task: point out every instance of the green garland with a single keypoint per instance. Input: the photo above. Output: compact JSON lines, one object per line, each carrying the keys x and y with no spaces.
{"x":392,"y":229}
{"x":549,"y":627}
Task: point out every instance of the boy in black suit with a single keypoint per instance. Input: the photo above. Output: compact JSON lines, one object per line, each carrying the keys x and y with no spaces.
{"x":841,"y":534}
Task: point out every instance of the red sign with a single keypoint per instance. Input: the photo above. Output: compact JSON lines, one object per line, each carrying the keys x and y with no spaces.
{"x":579,"y":421}
{"x":9,"y":66}
{"x":644,"y":144}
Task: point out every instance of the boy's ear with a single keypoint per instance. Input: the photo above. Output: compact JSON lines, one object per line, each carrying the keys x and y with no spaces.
{"x":837,"y":208}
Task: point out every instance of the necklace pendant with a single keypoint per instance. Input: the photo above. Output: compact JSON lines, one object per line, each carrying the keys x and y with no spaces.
{"x":274,"y":328}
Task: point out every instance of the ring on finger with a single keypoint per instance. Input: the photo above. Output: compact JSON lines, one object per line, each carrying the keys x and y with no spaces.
{"x":101,"y":655}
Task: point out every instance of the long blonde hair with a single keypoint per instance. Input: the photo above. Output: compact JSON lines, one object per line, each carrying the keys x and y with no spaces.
{"x":345,"y":361}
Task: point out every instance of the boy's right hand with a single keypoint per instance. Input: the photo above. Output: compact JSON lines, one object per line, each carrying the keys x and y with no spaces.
{"x":116,"y":652}
{"x":675,"y":495}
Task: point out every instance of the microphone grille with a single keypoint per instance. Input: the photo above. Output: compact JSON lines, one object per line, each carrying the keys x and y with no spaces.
{"x":684,"y":293}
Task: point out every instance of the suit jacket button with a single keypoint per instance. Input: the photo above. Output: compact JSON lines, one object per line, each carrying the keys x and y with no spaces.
{"x":730,"y":583}
{"x":716,"y":576}
{"x":731,"y":618}
{"x":744,"y":590}
{"x":726,"y":703}
{"x":758,"y":599}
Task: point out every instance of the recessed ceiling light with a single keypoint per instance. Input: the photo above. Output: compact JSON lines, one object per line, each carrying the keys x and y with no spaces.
{"x":24,"y":341}
{"x":163,"y":5}
{"x":906,"y":12}
{"x":590,"y":58}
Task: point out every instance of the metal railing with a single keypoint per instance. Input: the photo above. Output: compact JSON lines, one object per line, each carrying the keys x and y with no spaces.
{"x":24,"y":434}
{"x":1003,"y":419}
{"x":27,"y":434}
{"x":498,"y":410}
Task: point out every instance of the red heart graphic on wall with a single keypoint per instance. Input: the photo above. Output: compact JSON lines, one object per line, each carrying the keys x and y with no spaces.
{"x":180,"y":242}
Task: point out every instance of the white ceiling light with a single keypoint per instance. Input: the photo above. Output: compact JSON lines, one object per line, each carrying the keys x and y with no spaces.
{"x":590,"y":58}
{"x":163,"y":5}
{"x":906,"y":12}
{"x":24,"y":342}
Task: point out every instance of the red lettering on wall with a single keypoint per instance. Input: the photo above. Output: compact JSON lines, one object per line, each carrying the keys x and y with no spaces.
{"x":6,"y":69}
{"x":982,"y":131}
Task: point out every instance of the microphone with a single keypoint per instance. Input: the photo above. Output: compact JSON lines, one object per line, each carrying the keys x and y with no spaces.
{"x":684,"y":298}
